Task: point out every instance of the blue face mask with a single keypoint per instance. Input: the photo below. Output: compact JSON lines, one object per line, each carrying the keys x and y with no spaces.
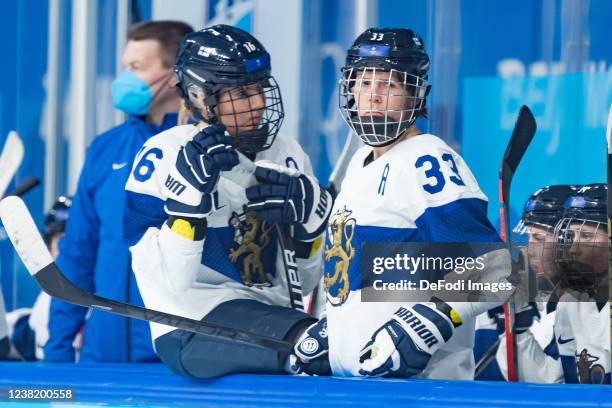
{"x":131,"y":94}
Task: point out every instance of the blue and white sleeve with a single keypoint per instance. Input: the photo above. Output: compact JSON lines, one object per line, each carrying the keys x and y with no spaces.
{"x":159,"y":256}
{"x":448,"y":206}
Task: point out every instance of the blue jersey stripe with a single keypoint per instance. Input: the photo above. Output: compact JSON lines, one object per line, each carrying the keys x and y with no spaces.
{"x":141,"y":212}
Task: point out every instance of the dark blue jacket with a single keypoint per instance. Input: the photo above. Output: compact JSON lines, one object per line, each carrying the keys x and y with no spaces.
{"x":95,"y":258}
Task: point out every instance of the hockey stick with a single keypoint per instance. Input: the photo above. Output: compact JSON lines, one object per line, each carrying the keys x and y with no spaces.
{"x":25,"y":187}
{"x":31,"y":248}
{"x":10,"y":159}
{"x":244,"y":175}
{"x":487,"y":358}
{"x":294,"y":284}
{"x":523,"y":133}
{"x":352,"y":144}
{"x":609,"y":209}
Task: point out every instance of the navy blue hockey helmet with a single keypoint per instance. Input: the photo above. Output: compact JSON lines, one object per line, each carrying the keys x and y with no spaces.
{"x":545,"y":206}
{"x":581,"y":239}
{"x":224,"y":57}
{"x":400,"y":55}
{"x":55,"y":218}
{"x":589,"y":204}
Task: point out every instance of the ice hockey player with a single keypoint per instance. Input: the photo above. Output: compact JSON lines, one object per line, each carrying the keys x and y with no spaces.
{"x":404,"y":186}
{"x":541,"y":213}
{"x":199,"y":248}
{"x":581,"y":324}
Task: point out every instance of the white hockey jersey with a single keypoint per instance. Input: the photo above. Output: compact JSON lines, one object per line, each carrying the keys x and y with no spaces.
{"x":582,"y":338}
{"x":538,"y":355}
{"x":239,"y":257}
{"x":420,"y":190}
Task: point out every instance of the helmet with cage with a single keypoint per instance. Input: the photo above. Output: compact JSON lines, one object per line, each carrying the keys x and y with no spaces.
{"x":581,"y":239}
{"x":383,"y":84}
{"x":224,"y":75}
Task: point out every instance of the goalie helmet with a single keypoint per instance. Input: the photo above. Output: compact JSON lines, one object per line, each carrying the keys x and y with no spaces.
{"x":225,"y":57}
{"x":55,"y":219}
{"x":381,"y":64}
{"x":581,"y":239}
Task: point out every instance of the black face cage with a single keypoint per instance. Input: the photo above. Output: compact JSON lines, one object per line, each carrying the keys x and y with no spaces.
{"x":253,"y":124}
{"x":391,"y":101}
{"x":582,"y":260}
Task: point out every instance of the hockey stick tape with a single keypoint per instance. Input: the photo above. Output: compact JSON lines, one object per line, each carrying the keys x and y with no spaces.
{"x":24,"y":235}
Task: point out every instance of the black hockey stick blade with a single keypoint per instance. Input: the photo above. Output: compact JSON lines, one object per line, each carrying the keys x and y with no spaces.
{"x":31,"y":248}
{"x":523,"y":133}
{"x":25,"y":187}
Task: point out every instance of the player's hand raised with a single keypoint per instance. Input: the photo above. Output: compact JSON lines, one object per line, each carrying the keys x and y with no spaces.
{"x":285,"y":195}
{"x":205,"y":156}
{"x":191,"y":185}
{"x":403,"y":346}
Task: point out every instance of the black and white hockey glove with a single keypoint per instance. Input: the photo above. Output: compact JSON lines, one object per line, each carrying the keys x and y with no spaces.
{"x":312,"y":350}
{"x":190,"y":187}
{"x":287,"y":196}
{"x":403,"y":346}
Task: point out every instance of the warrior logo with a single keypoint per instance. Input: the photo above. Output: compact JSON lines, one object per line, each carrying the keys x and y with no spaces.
{"x":589,"y":373}
{"x":246,"y":229}
{"x":340,"y":232}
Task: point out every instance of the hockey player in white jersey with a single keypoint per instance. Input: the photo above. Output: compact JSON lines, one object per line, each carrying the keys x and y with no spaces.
{"x":541,"y":213}
{"x":581,"y":336}
{"x":200,"y":247}
{"x":404,"y":186}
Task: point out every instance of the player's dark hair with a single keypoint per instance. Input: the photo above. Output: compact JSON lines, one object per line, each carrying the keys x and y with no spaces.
{"x":167,"y":33}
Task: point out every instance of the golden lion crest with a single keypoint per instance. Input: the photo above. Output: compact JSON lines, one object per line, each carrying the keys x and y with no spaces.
{"x":246,"y":227}
{"x":341,"y":230}
{"x":588,"y":372}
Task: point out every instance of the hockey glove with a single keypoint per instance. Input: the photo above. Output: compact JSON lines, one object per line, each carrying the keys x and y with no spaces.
{"x":523,"y":319}
{"x":191,"y":185}
{"x":403,"y":346}
{"x":312,"y":350}
{"x":287,"y":196}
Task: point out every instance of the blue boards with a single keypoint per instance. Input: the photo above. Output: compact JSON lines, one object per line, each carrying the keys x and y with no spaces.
{"x":155,"y":385}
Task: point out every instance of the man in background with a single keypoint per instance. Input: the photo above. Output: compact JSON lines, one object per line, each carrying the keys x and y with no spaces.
{"x":92,"y":252}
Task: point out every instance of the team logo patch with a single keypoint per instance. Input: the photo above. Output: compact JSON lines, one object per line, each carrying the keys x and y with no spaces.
{"x":588,"y":371}
{"x":252,"y":236}
{"x":340,"y":232}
